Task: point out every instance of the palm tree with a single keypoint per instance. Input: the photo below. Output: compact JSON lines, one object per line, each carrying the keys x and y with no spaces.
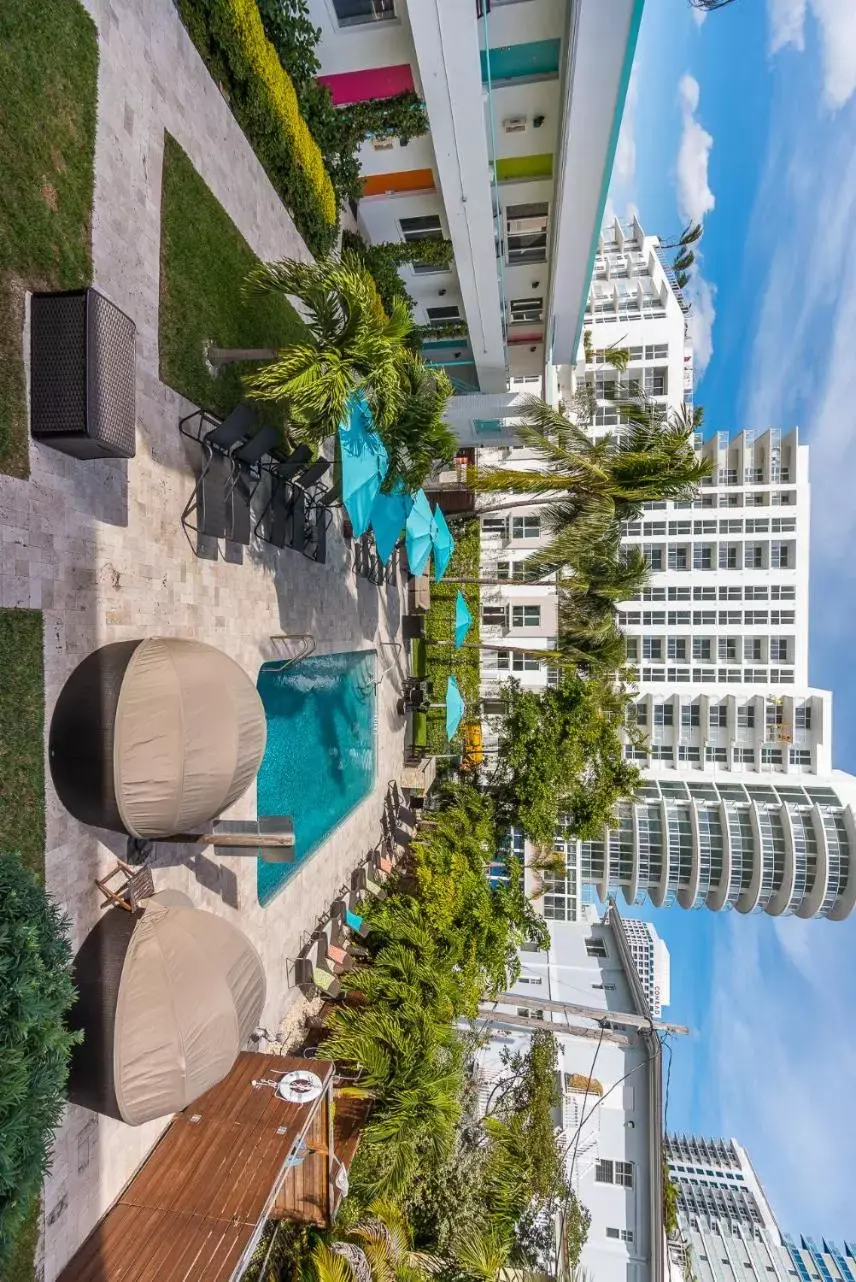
{"x":692,"y":233}
{"x":382,"y":1252}
{"x":419,"y":438}
{"x":351,"y":345}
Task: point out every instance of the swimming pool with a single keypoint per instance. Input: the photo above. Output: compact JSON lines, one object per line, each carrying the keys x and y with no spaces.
{"x":319,"y":762}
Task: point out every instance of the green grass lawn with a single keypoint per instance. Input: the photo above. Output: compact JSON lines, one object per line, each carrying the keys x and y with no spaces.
{"x":440,"y":626}
{"x":49,"y":74}
{"x":204,"y":263}
{"x":22,"y":737}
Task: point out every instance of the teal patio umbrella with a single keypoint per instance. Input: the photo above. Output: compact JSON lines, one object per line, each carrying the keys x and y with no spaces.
{"x":444,"y":544}
{"x":463,"y":620}
{"x":388,"y":514}
{"x":455,"y":708}
{"x":419,"y":533}
{"x":364,"y":463}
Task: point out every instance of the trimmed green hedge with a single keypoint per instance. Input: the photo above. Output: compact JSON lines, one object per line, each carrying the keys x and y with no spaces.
{"x":36,"y":993}
{"x":230,"y":37}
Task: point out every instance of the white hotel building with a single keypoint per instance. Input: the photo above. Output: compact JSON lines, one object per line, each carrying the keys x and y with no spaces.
{"x":524,"y":100}
{"x":741,"y":807}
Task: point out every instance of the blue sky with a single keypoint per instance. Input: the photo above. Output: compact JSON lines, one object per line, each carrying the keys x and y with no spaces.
{"x":747,"y":121}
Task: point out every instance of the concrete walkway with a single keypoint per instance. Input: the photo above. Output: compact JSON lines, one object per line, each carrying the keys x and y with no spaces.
{"x":98,"y":547}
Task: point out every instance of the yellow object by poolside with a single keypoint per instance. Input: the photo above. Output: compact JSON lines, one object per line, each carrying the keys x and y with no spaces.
{"x":471,"y":733}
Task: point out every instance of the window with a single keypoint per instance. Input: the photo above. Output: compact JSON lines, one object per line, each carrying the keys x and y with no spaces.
{"x":744,"y":756}
{"x":780,"y":648}
{"x":427,"y":227}
{"x":678,"y":559}
{"x":780,"y":556}
{"x":620,"y":1235}
{"x":782,"y":592}
{"x":663,"y":714}
{"x":654,"y":618}
{"x":756,"y":618}
{"x":442,"y":315}
{"x":495,"y":525}
{"x":702,"y":648}
{"x":678,"y":594}
{"x":689,"y":753}
{"x":526,"y":309}
{"x":782,"y":618}
{"x":351,"y":13}
{"x":662,"y":752}
{"x":530,"y":979}
{"x":596,"y":947}
{"x":639,"y":713}
{"x":678,"y":618}
{"x":802,"y":717}
{"x":526,"y":232}
{"x":526,"y":616}
{"x":800,"y":756}
{"x":526,"y":527}
{"x":679,"y":527}
{"x":690,"y":715}
{"x":728,"y":556}
{"x":607,"y":1171}
{"x":652,"y":648}
{"x":757,"y":594}
{"x":526,"y":1012}
{"x":728,"y":649}
{"x":753,"y":650}
{"x":730,"y":618}
{"x":719,"y":715}
{"x":703,"y":556}
{"x":771,"y":756}
{"x":753,"y":556}
{"x":704,"y":594}
{"x":495,"y":616}
{"x":718,"y":755}
{"x":654,"y":557}
{"x":677,"y":648}
{"x":656,"y":382}
{"x":606,"y":988}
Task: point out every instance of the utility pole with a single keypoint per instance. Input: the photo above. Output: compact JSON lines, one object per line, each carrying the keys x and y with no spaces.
{"x":529,"y":1024}
{"x":624,"y":1019}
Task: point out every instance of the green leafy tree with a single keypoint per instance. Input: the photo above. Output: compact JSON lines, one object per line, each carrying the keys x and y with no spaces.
{"x":36,"y":994}
{"x":560,"y":752}
{"x":352,"y":345}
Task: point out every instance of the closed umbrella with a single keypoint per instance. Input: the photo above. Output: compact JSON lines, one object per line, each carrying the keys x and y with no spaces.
{"x":364,"y":463}
{"x":455,"y":707}
{"x":444,"y":544}
{"x":388,"y":514}
{"x":463,"y":620}
{"x":419,"y":533}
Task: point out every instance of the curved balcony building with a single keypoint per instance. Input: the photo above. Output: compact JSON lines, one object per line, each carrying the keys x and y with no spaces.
{"x":775,"y":847}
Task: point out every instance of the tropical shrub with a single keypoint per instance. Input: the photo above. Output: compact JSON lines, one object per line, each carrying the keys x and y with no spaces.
{"x":383,"y":260}
{"x":231,"y":39}
{"x":36,"y":992}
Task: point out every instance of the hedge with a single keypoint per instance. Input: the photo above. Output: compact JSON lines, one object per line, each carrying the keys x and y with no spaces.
{"x":230,"y":37}
{"x":35,"y":995}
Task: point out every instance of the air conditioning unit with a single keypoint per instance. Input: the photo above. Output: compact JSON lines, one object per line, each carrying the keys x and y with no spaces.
{"x":383,"y":144}
{"x":527,"y":226}
{"x":515,"y":124}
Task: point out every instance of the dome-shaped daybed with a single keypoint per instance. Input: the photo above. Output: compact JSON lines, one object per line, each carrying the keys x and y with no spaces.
{"x":167,"y":999}
{"x":151,"y":738}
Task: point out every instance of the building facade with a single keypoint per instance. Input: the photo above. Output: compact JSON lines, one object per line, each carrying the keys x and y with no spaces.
{"x":524,"y":102}
{"x":611,"y":1090}
{"x":728,"y":1231}
{"x":651,"y":959}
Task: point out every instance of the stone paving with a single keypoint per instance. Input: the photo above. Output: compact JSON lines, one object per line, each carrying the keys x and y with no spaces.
{"x":98,"y":547}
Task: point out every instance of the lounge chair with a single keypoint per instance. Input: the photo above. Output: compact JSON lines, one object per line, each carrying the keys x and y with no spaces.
{"x":317,"y":525}
{"x":308,"y":975}
{"x":289,"y":467}
{"x":237,"y":427}
{"x":349,"y":919}
{"x":250,"y":454}
{"x":399,"y":807}
{"x":208,"y":511}
{"x":137,"y":886}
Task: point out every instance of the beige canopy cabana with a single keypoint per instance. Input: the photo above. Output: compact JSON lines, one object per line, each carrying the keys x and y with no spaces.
{"x":155,"y":737}
{"x":167,"y":1001}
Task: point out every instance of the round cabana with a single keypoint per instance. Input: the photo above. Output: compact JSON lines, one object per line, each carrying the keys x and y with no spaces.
{"x":151,"y":738}
{"x":167,"y":999}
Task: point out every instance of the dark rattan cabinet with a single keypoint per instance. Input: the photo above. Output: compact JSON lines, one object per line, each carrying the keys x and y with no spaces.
{"x":82,"y":375}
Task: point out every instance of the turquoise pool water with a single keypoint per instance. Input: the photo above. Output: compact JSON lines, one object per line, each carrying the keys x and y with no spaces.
{"x":319,"y":762}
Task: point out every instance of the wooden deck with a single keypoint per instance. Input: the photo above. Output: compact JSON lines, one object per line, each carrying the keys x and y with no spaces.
{"x":193,"y":1211}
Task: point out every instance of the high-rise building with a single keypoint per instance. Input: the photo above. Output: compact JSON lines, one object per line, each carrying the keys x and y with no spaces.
{"x":651,"y":959}
{"x":523,"y":103}
{"x":727,"y":1228}
{"x":740,"y":806}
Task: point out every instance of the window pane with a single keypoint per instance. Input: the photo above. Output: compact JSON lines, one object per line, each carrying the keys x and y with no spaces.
{"x":352,"y":12}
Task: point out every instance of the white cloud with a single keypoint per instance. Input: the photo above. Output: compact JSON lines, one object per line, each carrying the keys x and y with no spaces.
{"x":695,"y":199}
{"x":701,"y":294}
{"x":624,"y":166}
{"x":783,"y":1065}
{"x":836,"y":21}
{"x":787,"y":23}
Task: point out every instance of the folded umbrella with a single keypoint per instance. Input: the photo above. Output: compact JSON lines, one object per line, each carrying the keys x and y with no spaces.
{"x":444,"y":544}
{"x":419,"y":533}
{"x":455,"y":708}
{"x":364,"y":463}
{"x":463,"y":620}
{"x":387,"y":517}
